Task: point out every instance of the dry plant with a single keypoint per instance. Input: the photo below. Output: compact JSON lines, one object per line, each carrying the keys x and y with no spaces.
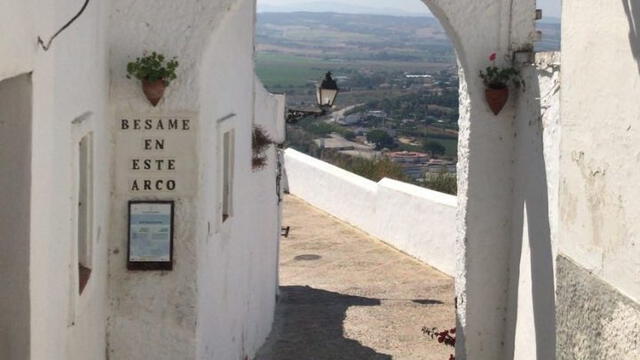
{"x":260,"y":142}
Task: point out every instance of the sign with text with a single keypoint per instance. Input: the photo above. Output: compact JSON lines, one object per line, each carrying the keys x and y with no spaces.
{"x":150,"y":235}
{"x":155,"y":154}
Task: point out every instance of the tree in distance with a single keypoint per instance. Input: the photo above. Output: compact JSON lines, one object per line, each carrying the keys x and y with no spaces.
{"x":434,"y":147}
{"x":349,"y":135}
{"x":381,"y":139}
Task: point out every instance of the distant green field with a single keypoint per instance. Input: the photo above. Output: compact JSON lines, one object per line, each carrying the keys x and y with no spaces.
{"x":278,"y":71}
{"x":450,"y":144}
{"x":284,"y":71}
{"x":327,"y":35}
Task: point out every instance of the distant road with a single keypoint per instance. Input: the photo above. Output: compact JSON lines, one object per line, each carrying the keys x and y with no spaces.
{"x":341,"y":112}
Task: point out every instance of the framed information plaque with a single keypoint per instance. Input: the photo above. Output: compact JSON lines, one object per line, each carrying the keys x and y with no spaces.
{"x":150,"y":235}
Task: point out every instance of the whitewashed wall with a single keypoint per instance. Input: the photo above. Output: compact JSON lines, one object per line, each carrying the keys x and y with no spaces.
{"x":600,"y":141}
{"x":415,"y":220}
{"x":218,"y":302}
{"x":530,"y":320}
{"x":418,"y":221}
{"x":69,"y":84}
{"x":598,"y":264}
{"x":15,"y":158}
{"x":139,"y":299}
{"x":270,"y":112}
{"x":237,"y":259}
{"x":342,"y":194}
{"x":70,"y":97}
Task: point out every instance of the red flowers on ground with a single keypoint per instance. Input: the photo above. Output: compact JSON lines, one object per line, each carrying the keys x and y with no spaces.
{"x":448,"y":337}
{"x":492,"y":57}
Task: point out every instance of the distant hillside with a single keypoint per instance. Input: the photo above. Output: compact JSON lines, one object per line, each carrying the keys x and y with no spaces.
{"x":317,"y":6}
{"x":357,"y":36}
{"x":366,"y":52}
{"x":351,"y":37}
{"x":295,"y":49}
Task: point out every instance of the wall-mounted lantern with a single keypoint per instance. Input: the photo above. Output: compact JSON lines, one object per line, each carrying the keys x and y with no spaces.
{"x":326,"y":94}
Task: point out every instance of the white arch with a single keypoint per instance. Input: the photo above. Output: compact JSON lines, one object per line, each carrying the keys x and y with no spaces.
{"x":478,"y":28}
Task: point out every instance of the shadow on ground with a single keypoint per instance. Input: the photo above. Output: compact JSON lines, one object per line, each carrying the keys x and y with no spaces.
{"x":309,"y":325}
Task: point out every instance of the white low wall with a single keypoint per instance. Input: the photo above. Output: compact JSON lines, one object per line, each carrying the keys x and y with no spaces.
{"x":415,"y":220}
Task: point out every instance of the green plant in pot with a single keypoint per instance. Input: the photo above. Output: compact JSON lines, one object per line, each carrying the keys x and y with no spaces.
{"x":496,"y":81}
{"x":155,"y":72}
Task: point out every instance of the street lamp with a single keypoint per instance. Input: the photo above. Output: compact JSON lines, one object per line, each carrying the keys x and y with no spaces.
{"x":326,"y":94}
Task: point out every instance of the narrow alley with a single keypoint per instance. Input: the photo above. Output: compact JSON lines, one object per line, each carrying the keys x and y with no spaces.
{"x":345,"y":295}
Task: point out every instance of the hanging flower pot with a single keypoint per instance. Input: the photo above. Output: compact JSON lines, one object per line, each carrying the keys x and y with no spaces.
{"x":153,"y":90}
{"x":154,"y":73}
{"x":496,"y":98}
{"x":496,"y":82}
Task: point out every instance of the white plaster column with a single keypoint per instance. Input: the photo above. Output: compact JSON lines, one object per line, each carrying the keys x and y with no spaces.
{"x":485,"y":168}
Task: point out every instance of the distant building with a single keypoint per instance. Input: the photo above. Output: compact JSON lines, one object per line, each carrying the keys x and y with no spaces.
{"x":409,"y":157}
{"x":377,"y":113}
{"x":337,"y":142}
{"x":414,"y":164}
{"x":352,"y":119}
{"x":437,"y":167}
{"x":414,"y":76}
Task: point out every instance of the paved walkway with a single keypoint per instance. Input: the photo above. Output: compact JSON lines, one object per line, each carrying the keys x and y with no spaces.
{"x":345,"y":295}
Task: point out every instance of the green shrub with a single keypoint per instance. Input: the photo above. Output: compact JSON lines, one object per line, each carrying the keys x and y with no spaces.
{"x":444,"y":182}
{"x":372,"y":169}
{"x":349,"y":135}
{"x":434,"y":147}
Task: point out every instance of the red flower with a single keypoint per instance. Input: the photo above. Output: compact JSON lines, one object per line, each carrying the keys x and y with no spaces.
{"x":492,"y":57}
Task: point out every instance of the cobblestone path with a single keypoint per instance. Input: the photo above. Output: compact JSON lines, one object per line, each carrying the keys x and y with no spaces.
{"x":345,"y":295}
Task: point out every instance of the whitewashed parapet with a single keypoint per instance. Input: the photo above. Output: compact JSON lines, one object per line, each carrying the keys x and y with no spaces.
{"x":344,"y":195}
{"x":415,"y":220}
{"x":418,"y":221}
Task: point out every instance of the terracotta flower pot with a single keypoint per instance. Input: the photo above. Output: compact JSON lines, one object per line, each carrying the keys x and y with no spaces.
{"x":496,"y":98}
{"x":153,"y":90}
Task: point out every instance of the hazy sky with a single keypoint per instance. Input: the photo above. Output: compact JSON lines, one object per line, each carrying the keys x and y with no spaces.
{"x":549,"y":7}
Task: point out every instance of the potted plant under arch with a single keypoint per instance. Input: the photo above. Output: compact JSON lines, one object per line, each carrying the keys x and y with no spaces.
{"x":496,"y":81}
{"x":155,"y":72}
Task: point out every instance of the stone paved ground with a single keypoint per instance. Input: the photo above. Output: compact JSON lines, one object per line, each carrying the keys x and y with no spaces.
{"x":345,"y":295}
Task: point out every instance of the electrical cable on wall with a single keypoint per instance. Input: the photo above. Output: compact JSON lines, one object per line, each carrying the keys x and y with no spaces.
{"x":46,"y":46}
